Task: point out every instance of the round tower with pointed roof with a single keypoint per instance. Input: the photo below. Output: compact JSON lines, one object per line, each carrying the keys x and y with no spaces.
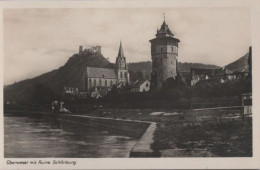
{"x":121,"y":66}
{"x":164,"y":51}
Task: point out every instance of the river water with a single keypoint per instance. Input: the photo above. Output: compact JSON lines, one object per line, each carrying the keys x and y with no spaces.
{"x":31,"y":137}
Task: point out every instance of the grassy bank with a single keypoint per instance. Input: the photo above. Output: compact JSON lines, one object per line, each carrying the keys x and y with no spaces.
{"x":229,"y":139}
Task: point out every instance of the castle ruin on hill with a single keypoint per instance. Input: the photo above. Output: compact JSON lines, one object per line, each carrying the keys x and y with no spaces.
{"x":89,"y":49}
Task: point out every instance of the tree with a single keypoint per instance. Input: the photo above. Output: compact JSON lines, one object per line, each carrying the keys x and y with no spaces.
{"x":42,"y":94}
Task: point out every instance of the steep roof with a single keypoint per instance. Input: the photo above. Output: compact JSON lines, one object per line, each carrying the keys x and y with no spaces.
{"x":121,"y":52}
{"x":139,"y":83}
{"x":164,"y":30}
{"x":165,"y":35}
{"x":95,"y":72}
{"x":121,"y":60}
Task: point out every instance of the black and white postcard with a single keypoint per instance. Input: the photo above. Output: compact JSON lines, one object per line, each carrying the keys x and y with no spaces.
{"x":129,"y":84}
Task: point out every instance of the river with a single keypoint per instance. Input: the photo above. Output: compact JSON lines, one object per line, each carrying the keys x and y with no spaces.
{"x":36,"y":137}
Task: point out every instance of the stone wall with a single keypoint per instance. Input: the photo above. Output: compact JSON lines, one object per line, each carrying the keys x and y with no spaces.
{"x":143,"y":147}
{"x":127,"y":127}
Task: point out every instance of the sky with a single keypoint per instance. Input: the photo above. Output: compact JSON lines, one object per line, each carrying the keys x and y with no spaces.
{"x":37,"y":41}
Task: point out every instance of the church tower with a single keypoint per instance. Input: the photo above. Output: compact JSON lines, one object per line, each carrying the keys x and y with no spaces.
{"x":121,"y":66}
{"x":164,"y":51}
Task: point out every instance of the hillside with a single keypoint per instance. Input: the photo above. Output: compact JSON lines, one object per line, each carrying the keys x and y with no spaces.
{"x":239,"y":64}
{"x":51,"y":84}
{"x":185,"y":67}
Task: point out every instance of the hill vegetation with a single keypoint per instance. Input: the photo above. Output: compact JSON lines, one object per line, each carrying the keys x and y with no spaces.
{"x":238,"y":64}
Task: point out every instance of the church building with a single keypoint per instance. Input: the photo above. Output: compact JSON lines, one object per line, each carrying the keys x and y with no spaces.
{"x":104,"y":78}
{"x":164,"y":51}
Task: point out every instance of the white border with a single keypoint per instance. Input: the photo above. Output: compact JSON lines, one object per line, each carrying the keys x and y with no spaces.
{"x":151,"y":163}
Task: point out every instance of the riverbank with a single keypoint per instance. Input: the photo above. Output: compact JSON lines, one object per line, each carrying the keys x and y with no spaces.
{"x":177,"y":133}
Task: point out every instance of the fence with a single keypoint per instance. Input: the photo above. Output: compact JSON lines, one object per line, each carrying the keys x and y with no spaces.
{"x":218,"y":114}
{"x":215,"y":104}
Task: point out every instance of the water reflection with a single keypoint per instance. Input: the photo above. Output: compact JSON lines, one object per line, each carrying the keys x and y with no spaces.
{"x":41,"y":137}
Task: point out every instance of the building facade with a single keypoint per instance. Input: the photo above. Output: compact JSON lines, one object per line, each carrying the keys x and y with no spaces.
{"x":201,"y":74}
{"x":164,"y":51}
{"x":221,"y":75}
{"x":141,"y":86}
{"x":103,"y":79}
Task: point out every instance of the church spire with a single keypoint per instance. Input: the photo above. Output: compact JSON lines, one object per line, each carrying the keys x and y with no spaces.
{"x":121,"y":52}
{"x":121,"y":60}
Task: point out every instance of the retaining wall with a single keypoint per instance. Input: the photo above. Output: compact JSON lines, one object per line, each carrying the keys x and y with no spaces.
{"x":143,"y":147}
{"x":127,"y":127}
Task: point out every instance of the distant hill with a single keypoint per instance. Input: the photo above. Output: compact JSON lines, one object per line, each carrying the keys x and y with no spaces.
{"x":142,"y":70}
{"x":239,"y":64}
{"x":185,"y":67}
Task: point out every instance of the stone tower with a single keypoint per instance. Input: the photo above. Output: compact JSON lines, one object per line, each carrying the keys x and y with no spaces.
{"x":121,"y":66}
{"x":164,"y":50}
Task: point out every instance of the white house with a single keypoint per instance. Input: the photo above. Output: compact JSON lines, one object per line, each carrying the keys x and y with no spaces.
{"x":141,"y":86}
{"x":71,"y":90}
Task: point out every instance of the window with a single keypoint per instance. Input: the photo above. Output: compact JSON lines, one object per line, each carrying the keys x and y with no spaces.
{"x":111,"y":83}
{"x":100,"y":82}
{"x":121,"y":75}
{"x":161,"y":49}
{"x":86,"y":84}
{"x":147,"y":84}
{"x":95,"y":83}
{"x":172,"y":49}
{"x":90,"y":83}
{"x":171,"y":62}
{"x":125,"y":74}
{"x":105,"y":82}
